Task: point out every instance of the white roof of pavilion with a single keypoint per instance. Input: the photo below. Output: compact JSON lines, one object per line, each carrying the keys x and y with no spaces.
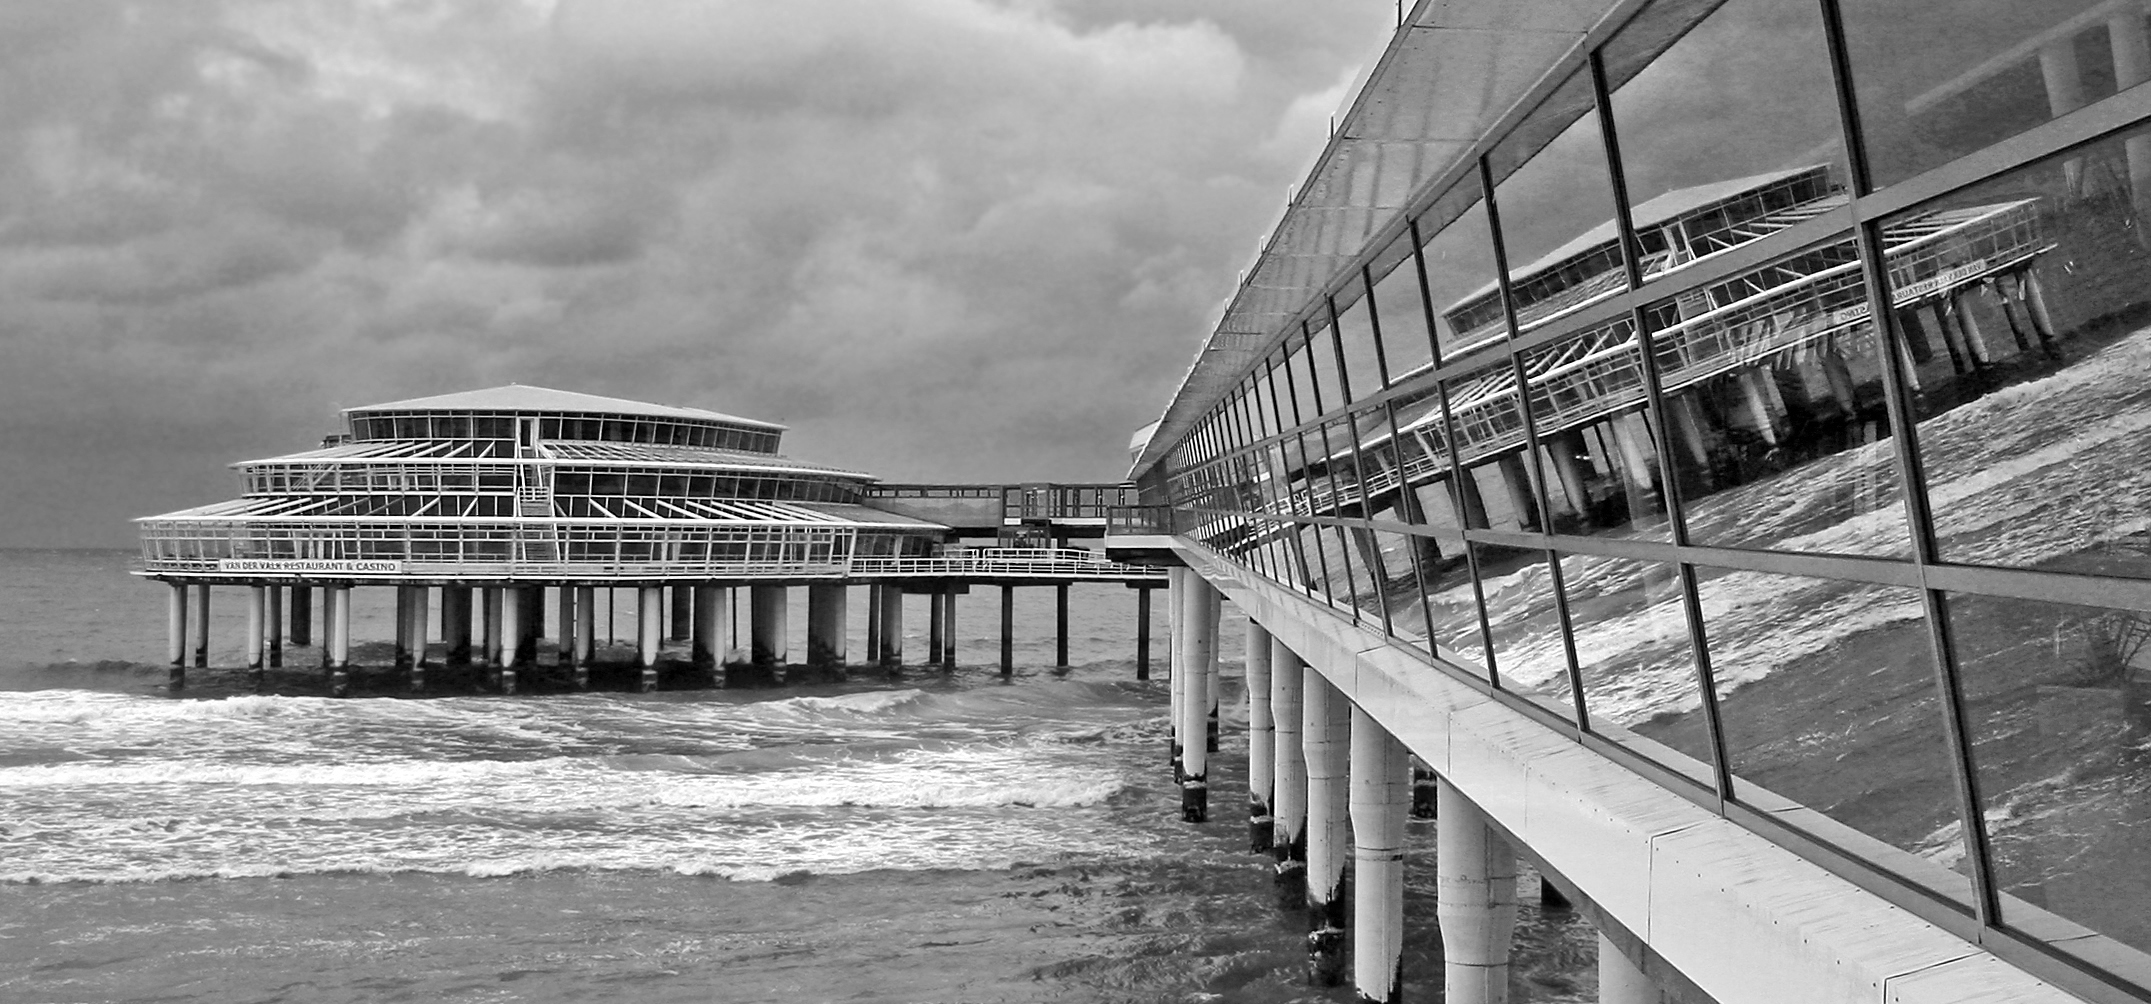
{"x":564,"y":451}
{"x":522,"y":397}
{"x":1483,"y":57}
{"x":736,"y":512}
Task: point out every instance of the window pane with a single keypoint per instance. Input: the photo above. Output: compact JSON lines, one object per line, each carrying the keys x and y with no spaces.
{"x":1529,"y":657}
{"x":1636,"y":658}
{"x":2058,"y":703}
{"x":1828,"y":696}
{"x":2023,"y":303}
{"x":1588,"y":401}
{"x":1937,"y":81}
{"x":1731,"y":134}
{"x":1404,"y":321}
{"x":1400,"y":586}
{"x":1775,"y":406}
{"x":1557,"y":211}
{"x":1461,"y":281}
{"x":1362,"y":365}
{"x":1496,"y":486}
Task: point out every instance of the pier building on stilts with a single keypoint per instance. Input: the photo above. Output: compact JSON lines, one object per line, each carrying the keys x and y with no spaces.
{"x":484,"y":504}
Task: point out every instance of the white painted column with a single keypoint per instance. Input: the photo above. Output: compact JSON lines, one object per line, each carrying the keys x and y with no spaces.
{"x":710,"y":619}
{"x":1288,"y":799}
{"x":1325,"y":736}
{"x":892,"y":625}
{"x":768,"y":625}
{"x":201,"y":625}
{"x":1751,"y":390}
{"x":337,"y":609}
{"x":493,"y":607}
{"x":1176,"y":662}
{"x":1475,"y":902}
{"x":1620,"y":981}
{"x":175,"y":630}
{"x":1198,"y":622}
{"x":508,"y":623}
{"x":1213,"y":616}
{"x":1381,"y":801}
{"x":564,"y":632}
{"x":649,"y":632}
{"x":456,"y":624}
{"x":275,"y":628}
{"x":585,"y":625}
{"x":1261,"y":739}
{"x":419,"y":611}
{"x":257,"y":625}
{"x":874,"y":608}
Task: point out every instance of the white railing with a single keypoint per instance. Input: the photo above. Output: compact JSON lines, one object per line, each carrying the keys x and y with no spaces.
{"x":1005,"y":563}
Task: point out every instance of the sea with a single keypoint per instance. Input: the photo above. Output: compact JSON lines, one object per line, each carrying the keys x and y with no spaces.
{"x":932,"y":836}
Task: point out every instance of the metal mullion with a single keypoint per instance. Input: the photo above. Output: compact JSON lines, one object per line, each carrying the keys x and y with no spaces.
{"x":1374,"y":326}
{"x":1426,"y":299}
{"x":1516,"y":359}
{"x":1329,"y":467}
{"x":1314,"y":373}
{"x":1377,"y":576}
{"x":2043,"y":586}
{"x":1699,"y":643}
{"x":1411,"y":547}
{"x":1919,"y":520}
{"x":1616,"y":172}
{"x":1568,"y":644}
{"x":1848,"y":103}
{"x":1321,"y":558}
{"x":1336,"y":343}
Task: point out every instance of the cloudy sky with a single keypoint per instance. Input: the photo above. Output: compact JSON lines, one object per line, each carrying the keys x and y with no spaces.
{"x":941,"y":239}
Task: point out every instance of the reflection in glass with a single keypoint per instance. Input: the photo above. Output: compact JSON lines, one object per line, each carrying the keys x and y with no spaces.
{"x":1588,"y":402}
{"x":1775,"y":408}
{"x":1402,"y":599}
{"x":2058,"y":705}
{"x":2025,"y":308}
{"x":1496,"y":487}
{"x":1938,"y":81}
{"x":1828,"y":697}
{"x":1730,"y":135}
{"x":1404,"y":322}
{"x":1634,"y":653}
{"x":1529,"y":656}
{"x":1364,"y":367}
{"x":1460,"y":265}
{"x":1557,"y":213}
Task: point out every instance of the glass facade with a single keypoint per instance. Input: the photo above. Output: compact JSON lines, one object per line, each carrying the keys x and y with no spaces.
{"x":1768,"y":403}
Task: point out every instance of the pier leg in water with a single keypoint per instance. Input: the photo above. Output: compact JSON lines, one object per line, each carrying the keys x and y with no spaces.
{"x":1325,"y":727}
{"x":936,"y":639}
{"x":275,"y":639}
{"x":492,"y":608}
{"x":585,"y":633}
{"x":1060,"y":626}
{"x":710,"y":620}
{"x":1381,"y":798}
{"x":1425,"y":790}
{"x":768,"y":631}
{"x":948,"y":633}
{"x":1142,"y":634}
{"x":1176,"y":594}
{"x":1620,"y":980}
{"x":1198,"y":623}
{"x":1288,"y":800}
{"x":1211,"y":616}
{"x":564,"y":631}
{"x":1475,"y":902}
{"x":683,"y":613}
{"x":1261,"y":739}
{"x":456,"y":624}
{"x":175,"y":629}
{"x":1008,"y":630}
{"x":649,"y":634}
{"x":420,"y":611}
{"x":201,"y":626}
{"x":509,"y":624}
{"x":302,"y":615}
{"x":257,"y":627}
{"x":403,"y":627}
{"x":892,"y":627}
{"x":336,"y":610}
{"x":533,"y":620}
{"x":874,"y":609}
{"x":826,"y":641}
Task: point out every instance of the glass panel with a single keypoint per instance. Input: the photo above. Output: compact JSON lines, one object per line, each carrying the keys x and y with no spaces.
{"x":1557,"y":212}
{"x":1937,"y":81}
{"x":1363,"y":365}
{"x":2058,"y":704}
{"x":1635,"y":656}
{"x":1730,"y":135}
{"x":1587,"y":400}
{"x":1827,"y":692}
{"x":1404,"y":321}
{"x":1529,"y":657}
{"x":1461,"y":281}
{"x":2025,"y":306}
{"x":1299,"y":384}
{"x":1405,"y":606}
{"x":1775,"y":407}
{"x":1497,"y":484}
{"x":1322,"y":362}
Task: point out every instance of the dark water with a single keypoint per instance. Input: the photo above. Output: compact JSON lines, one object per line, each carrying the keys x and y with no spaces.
{"x":938,"y":837}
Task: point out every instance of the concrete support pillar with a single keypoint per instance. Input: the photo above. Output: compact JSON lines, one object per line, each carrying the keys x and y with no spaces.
{"x":1639,"y":461}
{"x":948,"y":633}
{"x":533,"y":620}
{"x":711,"y":618}
{"x":1566,"y":450}
{"x":1839,"y":376}
{"x":257,"y":627}
{"x":201,"y":626}
{"x":1621,"y":981}
{"x":681,"y":624}
{"x":649,"y":633}
{"x":1975,"y":342}
{"x":1008,"y":630}
{"x":1381,"y":801}
{"x":511,"y":638}
{"x":336,"y":610}
{"x":874,"y":610}
{"x":1288,"y":783}
{"x":1325,"y":727}
{"x":404,"y":642}
{"x":275,"y":627}
{"x":1516,"y":482}
{"x":175,"y":632}
{"x":768,"y":626}
{"x":1261,"y":739}
{"x":1176,"y":595}
{"x":1211,"y":621}
{"x":1198,"y":624}
{"x":302,"y":615}
{"x":1469,"y":503}
{"x":936,"y":624}
{"x":892,"y":626}
{"x":1688,"y":428}
{"x":1060,"y":626}
{"x":1142,"y":634}
{"x":1759,"y":414}
{"x":456,"y":625}
{"x":826,"y":634}
{"x":585,"y":631}
{"x":492,"y":608}
{"x":420,"y":611}
{"x":1475,"y":902}
{"x":564,"y":624}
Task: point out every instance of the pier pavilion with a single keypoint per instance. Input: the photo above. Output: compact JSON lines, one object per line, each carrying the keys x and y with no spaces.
{"x":491,"y":498}
{"x":1709,"y":435}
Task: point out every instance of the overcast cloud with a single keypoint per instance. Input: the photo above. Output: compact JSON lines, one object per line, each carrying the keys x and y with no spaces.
{"x":941,"y":239}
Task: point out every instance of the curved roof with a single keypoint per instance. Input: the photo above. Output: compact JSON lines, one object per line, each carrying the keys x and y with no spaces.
{"x":523,"y":397}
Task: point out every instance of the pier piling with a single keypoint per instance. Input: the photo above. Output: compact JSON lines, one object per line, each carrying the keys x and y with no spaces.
{"x":948,"y":632}
{"x":1060,"y":626}
{"x":509,"y":624}
{"x":767,"y":624}
{"x":175,"y":627}
{"x":1475,"y":902}
{"x":1326,"y":723}
{"x":1008,"y":630}
{"x":257,"y":628}
{"x":1142,"y":634}
{"x":649,"y":637}
{"x":1261,"y":740}
{"x":826,"y":641}
{"x":302,"y":615}
{"x":936,"y":622}
{"x":1381,"y":787}
{"x":201,"y":626}
{"x":1200,"y":644}
{"x":874,"y":610}
{"x":275,"y":627}
{"x":1288,"y":800}
{"x":456,"y":625}
{"x":336,"y":611}
{"x":419,"y":613}
{"x":892,"y":627}
{"x":710,"y":619}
